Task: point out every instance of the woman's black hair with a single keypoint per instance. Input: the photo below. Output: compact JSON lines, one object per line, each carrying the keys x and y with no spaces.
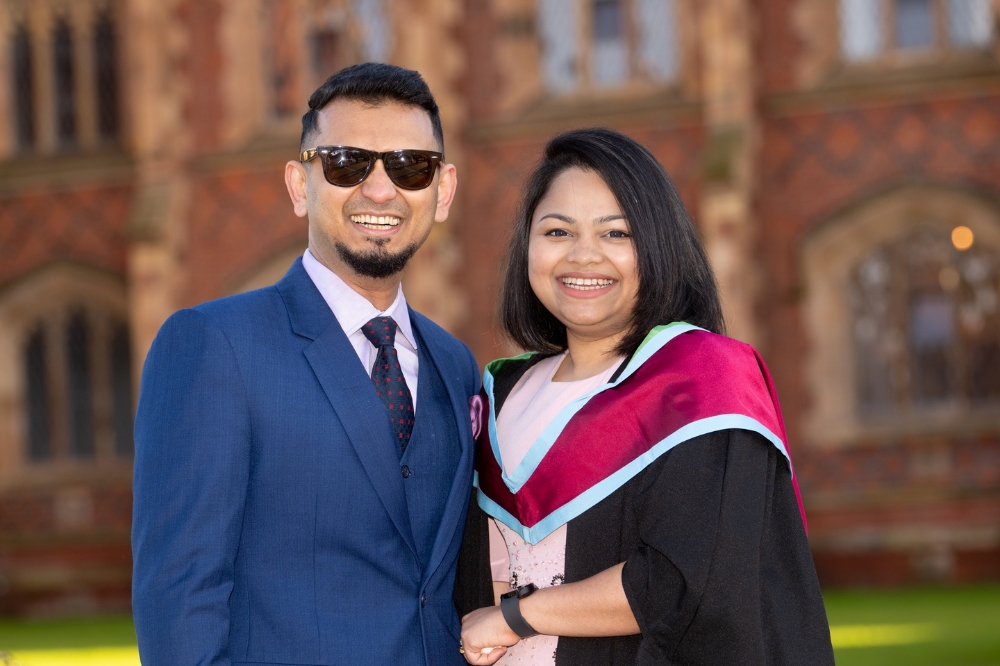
{"x":676,"y":282}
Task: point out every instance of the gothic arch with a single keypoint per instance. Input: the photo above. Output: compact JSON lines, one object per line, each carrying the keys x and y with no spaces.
{"x":50,"y":306}
{"x":830,"y":259}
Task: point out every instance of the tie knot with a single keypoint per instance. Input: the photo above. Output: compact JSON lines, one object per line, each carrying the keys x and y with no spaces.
{"x":380,"y":331}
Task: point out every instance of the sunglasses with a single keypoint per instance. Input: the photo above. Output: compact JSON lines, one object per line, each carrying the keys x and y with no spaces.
{"x":345,"y":166}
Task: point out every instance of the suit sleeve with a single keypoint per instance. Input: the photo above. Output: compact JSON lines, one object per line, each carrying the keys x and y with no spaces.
{"x":192,"y":461}
{"x":723,"y":571}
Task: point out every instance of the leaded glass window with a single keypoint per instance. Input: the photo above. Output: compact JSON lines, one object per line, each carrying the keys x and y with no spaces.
{"x":121,"y":390}
{"x":871,"y":28}
{"x":23,"y":88}
{"x":376,"y":38}
{"x":106,"y":77}
{"x":914,"y":24}
{"x":926,"y":326}
{"x":624,"y":41}
{"x":79,"y":387}
{"x":63,"y":80}
{"x":37,"y":397}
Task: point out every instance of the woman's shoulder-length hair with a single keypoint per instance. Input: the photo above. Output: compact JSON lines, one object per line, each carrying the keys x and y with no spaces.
{"x":676,"y":282}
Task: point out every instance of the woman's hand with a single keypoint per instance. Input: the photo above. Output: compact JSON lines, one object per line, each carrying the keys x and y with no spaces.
{"x":485,"y":629}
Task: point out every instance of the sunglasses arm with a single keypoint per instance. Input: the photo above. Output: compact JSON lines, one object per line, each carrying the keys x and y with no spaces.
{"x":307,"y":155}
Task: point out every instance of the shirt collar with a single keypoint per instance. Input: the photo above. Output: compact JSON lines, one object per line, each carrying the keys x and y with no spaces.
{"x":352,"y":309}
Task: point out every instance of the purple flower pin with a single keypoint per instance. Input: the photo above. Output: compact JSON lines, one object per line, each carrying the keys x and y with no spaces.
{"x":476,"y":412}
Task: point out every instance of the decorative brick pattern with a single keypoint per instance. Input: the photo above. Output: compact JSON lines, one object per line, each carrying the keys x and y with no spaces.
{"x":86,"y":225}
{"x":238,"y":219}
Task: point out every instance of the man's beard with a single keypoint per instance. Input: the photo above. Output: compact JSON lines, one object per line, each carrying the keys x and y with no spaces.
{"x":377,"y":263}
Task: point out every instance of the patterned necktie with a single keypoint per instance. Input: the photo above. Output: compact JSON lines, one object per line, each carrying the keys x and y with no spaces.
{"x":388,"y":378}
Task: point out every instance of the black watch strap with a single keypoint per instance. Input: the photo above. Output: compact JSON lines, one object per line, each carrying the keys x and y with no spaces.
{"x":510,"y":606}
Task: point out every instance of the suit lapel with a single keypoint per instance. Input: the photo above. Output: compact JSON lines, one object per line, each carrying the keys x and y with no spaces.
{"x":349,"y":390}
{"x":451,"y":374}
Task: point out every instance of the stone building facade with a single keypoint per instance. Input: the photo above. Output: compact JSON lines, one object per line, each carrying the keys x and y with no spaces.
{"x":841,"y":159}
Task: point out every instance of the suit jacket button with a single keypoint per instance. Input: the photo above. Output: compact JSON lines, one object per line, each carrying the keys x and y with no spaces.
{"x":406,"y":472}
{"x":423,"y":600}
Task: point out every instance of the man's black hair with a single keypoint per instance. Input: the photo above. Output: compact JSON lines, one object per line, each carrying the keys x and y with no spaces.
{"x":676,"y":282}
{"x":373,"y":83}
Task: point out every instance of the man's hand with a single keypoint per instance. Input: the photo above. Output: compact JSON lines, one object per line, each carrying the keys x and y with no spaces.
{"x":486,"y":636}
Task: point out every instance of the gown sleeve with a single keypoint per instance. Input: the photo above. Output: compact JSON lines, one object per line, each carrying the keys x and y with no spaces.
{"x":722,"y":573}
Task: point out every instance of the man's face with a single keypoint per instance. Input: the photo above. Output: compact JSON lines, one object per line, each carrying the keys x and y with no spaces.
{"x":369,"y":230}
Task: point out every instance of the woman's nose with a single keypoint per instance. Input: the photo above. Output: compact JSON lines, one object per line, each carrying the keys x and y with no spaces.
{"x":584,"y":251}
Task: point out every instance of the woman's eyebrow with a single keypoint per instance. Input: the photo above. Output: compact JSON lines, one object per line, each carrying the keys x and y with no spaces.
{"x":609,"y":218}
{"x":558,"y":216}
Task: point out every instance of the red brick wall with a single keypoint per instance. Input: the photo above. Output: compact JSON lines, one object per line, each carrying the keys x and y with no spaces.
{"x":238,"y":219}
{"x":202,"y":65}
{"x":86,"y":224}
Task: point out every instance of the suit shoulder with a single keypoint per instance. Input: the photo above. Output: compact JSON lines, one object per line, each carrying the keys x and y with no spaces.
{"x":236,"y":317}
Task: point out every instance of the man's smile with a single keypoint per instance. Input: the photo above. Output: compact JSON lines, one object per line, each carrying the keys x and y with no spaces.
{"x":376,"y":222}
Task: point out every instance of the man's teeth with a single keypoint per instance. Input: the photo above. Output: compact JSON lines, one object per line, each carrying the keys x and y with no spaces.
{"x":376,"y":221}
{"x":587,"y":283}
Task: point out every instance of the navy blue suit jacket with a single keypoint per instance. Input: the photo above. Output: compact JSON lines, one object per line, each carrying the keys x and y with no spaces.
{"x":270,"y":521}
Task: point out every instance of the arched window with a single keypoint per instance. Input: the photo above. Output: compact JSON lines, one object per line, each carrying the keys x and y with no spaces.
{"x":106,"y":77}
{"x":37,"y":397}
{"x":926,"y":325}
{"x":23,"y":88}
{"x":63,"y":80}
{"x":607,"y":43}
{"x":66,"y":328}
{"x":903,"y":318}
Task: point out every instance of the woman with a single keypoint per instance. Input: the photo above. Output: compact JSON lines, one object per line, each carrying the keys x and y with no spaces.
{"x":633,"y":467}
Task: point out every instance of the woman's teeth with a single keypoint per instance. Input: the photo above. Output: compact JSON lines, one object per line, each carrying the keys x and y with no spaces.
{"x":380,"y":222}
{"x":587,"y":284}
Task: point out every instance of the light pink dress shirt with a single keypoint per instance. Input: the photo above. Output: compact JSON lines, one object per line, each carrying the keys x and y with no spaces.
{"x":532,"y":404}
{"x":353,"y":311}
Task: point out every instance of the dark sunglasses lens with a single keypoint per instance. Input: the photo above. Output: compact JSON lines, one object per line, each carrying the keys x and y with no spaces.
{"x":346,"y":167}
{"x":410,"y":170}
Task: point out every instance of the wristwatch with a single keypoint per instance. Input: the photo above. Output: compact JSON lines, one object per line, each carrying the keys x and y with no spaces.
{"x":510,"y":606}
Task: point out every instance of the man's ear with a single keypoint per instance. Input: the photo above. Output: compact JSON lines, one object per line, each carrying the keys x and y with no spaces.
{"x":297,"y":183}
{"x":447,"y":183}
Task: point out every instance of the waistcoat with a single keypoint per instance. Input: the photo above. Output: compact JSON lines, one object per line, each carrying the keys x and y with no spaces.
{"x":431,"y":457}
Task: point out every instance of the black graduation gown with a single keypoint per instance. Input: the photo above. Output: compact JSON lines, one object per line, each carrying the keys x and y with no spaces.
{"x":717,"y":566}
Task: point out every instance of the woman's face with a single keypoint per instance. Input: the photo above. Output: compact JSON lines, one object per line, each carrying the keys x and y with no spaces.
{"x":581,"y":261}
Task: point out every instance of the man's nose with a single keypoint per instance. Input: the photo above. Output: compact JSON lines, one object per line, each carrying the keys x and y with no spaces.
{"x":377,"y":187}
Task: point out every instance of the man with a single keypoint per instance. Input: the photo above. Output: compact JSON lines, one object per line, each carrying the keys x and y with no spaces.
{"x":304,"y":452}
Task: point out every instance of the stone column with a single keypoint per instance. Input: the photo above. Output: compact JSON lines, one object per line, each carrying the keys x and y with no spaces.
{"x":426,"y":40}
{"x":154,"y":43}
{"x":726,"y":204}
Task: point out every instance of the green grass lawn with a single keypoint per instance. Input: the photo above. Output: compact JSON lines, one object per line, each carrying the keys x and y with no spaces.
{"x":916,"y":627}
{"x":911,"y":627}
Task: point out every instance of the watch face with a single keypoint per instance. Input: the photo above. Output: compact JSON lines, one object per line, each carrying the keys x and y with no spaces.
{"x":525,"y":590}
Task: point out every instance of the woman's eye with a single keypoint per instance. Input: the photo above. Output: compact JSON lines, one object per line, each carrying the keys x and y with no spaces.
{"x":618,"y":233}
{"x":556,"y":232}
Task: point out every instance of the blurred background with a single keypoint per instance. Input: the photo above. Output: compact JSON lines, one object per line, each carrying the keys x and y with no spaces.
{"x":841,"y":159}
